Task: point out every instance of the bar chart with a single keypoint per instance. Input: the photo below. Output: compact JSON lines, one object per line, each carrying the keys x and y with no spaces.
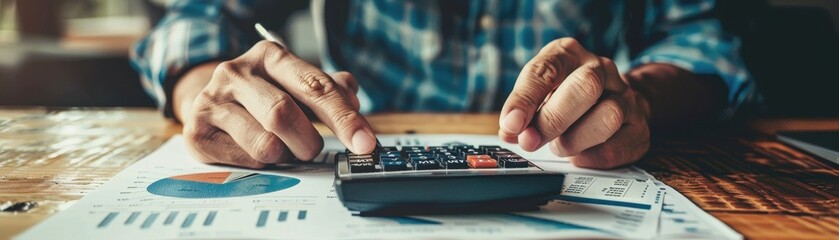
{"x":268,"y":217}
{"x":153,"y":219}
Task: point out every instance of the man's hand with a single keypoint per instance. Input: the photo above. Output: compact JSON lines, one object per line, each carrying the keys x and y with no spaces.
{"x":251,"y":110}
{"x":579,"y":104}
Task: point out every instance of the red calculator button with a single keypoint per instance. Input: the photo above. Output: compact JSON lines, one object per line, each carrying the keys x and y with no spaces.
{"x":482,"y":162}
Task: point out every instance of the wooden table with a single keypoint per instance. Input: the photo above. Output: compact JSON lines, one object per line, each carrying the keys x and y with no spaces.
{"x":763,"y":189}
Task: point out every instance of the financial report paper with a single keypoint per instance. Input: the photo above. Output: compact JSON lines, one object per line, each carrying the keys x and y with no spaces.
{"x":168,"y":194}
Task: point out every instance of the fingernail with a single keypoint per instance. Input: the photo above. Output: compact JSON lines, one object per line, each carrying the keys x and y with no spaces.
{"x":363,"y":142}
{"x":514,"y":121}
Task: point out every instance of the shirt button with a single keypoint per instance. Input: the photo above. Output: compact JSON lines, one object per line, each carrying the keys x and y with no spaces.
{"x":487,"y":22}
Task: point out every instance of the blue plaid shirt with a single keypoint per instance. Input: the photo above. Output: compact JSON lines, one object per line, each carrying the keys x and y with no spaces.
{"x":449,"y":55}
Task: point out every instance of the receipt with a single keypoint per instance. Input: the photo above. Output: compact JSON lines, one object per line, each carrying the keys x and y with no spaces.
{"x":632,"y":193}
{"x":628,"y":207}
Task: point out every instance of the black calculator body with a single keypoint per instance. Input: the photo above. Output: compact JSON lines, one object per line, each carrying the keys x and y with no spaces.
{"x":441,"y":179}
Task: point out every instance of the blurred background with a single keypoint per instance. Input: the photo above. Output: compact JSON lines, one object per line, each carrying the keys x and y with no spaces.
{"x":75,"y":52}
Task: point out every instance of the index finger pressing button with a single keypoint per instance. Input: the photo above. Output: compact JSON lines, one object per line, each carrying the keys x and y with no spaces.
{"x":324,"y":97}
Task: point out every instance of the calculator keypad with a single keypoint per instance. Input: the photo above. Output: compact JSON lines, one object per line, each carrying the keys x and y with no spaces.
{"x":421,"y":158}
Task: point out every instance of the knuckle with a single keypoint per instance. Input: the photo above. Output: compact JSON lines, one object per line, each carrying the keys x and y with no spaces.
{"x":223,"y":76}
{"x":317,"y":86}
{"x":269,"y":148}
{"x":265,"y":52}
{"x":345,"y":119}
{"x":268,"y":51}
{"x":589,"y":84}
{"x":607,"y":62}
{"x":568,"y":43}
{"x":226,"y":68}
{"x":614,"y":115}
{"x":263,"y":45}
{"x":529,"y":99}
{"x":546,"y":72}
{"x":197,"y":130}
{"x":553,"y":121}
{"x":204,"y":101}
{"x":279,"y":112}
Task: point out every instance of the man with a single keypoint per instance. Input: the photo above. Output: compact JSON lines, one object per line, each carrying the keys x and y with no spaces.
{"x":548,"y":66}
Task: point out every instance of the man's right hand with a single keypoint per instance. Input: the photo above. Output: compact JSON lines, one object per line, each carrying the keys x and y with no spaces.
{"x":249,"y":111}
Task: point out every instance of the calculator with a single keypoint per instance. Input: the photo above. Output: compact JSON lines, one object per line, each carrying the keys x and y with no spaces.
{"x":441,"y":179}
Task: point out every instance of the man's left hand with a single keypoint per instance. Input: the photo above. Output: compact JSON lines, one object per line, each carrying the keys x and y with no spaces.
{"x":580,"y":105}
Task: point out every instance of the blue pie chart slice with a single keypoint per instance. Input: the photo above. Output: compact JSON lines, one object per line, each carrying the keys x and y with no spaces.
{"x":220,"y":185}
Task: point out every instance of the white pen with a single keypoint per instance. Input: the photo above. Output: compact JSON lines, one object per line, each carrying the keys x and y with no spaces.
{"x":270,"y":36}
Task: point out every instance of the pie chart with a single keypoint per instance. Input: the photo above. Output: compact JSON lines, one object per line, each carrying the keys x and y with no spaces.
{"x":220,"y":185}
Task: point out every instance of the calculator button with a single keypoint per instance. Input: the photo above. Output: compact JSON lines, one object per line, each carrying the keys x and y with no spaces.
{"x":426,"y":164}
{"x":362,"y":167}
{"x":361,"y":160}
{"x":490,"y":148}
{"x":512,"y":163}
{"x":353,"y":156}
{"x":482,"y":162}
{"x":393,"y":164}
{"x":408,"y":152}
{"x":420,"y":158}
{"x":440,"y":154}
{"x":452,"y":162}
{"x":500,"y":156}
{"x":496,"y":153}
{"x":441,"y":150}
{"x":390,"y":155}
{"x":423,"y":153}
{"x":470,"y":151}
{"x":387,"y":149}
{"x":460,"y":147}
{"x":478,"y":156}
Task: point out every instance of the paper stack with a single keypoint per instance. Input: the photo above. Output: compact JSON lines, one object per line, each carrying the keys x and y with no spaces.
{"x":148,"y":201}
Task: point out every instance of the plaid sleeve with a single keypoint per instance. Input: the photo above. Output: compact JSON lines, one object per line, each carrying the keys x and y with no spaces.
{"x":684,"y":34}
{"x":191,"y":33}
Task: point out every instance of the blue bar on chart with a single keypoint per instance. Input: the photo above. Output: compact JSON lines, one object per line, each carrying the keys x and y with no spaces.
{"x":188,"y":221}
{"x":301,"y":215}
{"x":149,"y":220}
{"x":210,"y":217}
{"x":170,"y":218}
{"x":283,"y":216}
{"x":132,"y":218}
{"x":107,"y":220}
{"x":263,"y":217}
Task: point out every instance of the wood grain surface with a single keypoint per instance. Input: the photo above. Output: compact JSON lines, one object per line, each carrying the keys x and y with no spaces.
{"x":50,"y":158}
